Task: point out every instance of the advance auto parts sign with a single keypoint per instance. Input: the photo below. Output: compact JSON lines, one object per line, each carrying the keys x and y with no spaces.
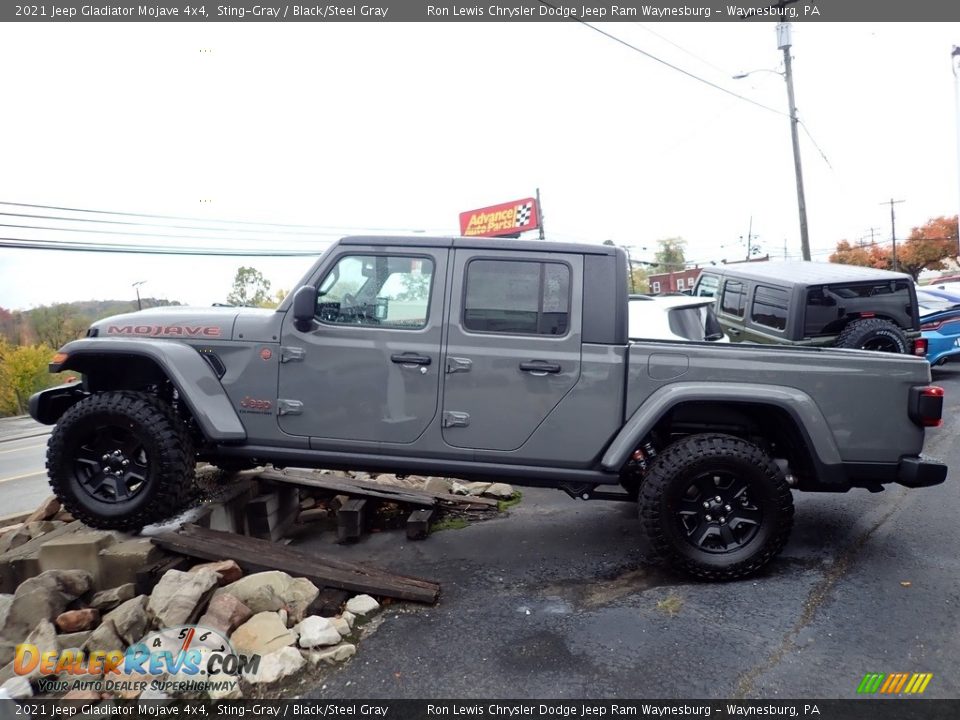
{"x":509,"y":218}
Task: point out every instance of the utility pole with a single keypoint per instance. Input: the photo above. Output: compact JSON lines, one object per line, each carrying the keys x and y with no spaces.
{"x":955,"y":60}
{"x":136,"y":286}
{"x":750,"y":237}
{"x":784,"y":42}
{"x":540,"y":214}
{"x":893,"y":231}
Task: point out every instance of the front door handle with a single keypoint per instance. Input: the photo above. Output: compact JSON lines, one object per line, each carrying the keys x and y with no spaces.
{"x":540,"y":367}
{"x":410,"y":359}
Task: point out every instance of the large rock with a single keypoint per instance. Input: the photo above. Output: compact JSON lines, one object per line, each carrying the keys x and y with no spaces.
{"x":18,"y":688}
{"x":73,"y":621}
{"x":223,"y":687}
{"x":342,"y":626}
{"x":272,"y":590}
{"x":130,"y":619}
{"x":73,"y":641}
{"x":315,"y":631}
{"x":79,"y":551}
{"x":499,"y":490}
{"x":180,"y":597}
{"x":362,"y":605}
{"x":227,"y":570}
{"x":45,"y":510}
{"x":334,"y":654}
{"x":42,"y":597}
{"x":438,"y":485}
{"x":262,"y":634}
{"x":44,"y":636}
{"x":225,"y":613}
{"x":470,"y":488}
{"x":105,"y":638}
{"x":276,"y":665}
{"x":107,"y":600}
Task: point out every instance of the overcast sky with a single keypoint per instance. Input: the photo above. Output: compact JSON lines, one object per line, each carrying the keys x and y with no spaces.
{"x":398,"y":127}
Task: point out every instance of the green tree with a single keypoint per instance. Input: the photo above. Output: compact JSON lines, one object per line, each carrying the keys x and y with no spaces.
{"x":639,"y":282}
{"x":250,"y":289}
{"x":23,"y":371}
{"x":670,"y":257}
{"x":56,"y":325}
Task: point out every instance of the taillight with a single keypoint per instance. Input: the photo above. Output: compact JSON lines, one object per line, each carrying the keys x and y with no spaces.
{"x":926,"y":405}
{"x":920,"y":347}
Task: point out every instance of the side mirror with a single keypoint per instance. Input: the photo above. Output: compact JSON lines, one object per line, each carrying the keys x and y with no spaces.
{"x":304,"y":307}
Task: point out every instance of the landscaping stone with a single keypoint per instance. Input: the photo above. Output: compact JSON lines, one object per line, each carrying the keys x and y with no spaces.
{"x":499,"y":490}
{"x":77,"y":551}
{"x":276,"y":665}
{"x":362,"y":605}
{"x":225,"y":613}
{"x":73,"y":621}
{"x":131,"y":619}
{"x":349,"y":617}
{"x":73,"y":641}
{"x":45,"y":510}
{"x":121,"y":562}
{"x":471,"y":488}
{"x":272,"y":590}
{"x":42,"y":527}
{"x":342,"y":626}
{"x":107,"y":600}
{"x":227,"y":570}
{"x":16,"y":538}
{"x":18,"y":688}
{"x":315,"y":631}
{"x":225,"y":687}
{"x":40,"y":598}
{"x":44,"y":636}
{"x":331,"y":655}
{"x":105,"y":638}
{"x":180,"y":597}
{"x":262,"y":634}
{"x":88,"y":695}
{"x":438,"y":485}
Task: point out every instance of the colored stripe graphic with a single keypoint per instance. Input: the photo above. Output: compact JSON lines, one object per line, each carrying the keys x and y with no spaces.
{"x":894,"y":683}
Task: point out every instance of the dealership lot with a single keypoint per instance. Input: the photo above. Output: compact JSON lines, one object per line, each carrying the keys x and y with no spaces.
{"x":558,"y":599}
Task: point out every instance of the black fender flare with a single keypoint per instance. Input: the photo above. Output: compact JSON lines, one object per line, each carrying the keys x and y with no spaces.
{"x":195,"y":381}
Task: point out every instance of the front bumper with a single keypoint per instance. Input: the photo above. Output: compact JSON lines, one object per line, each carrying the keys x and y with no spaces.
{"x":917,"y":472}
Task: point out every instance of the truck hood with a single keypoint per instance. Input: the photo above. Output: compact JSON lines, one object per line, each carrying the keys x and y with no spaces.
{"x":176,"y":322}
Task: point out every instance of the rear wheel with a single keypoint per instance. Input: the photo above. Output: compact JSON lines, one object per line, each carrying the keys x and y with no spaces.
{"x":874,"y":334}
{"x":716,"y":507}
{"x":120,"y":460}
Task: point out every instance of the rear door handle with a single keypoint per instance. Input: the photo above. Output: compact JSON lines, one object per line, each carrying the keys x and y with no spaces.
{"x":539,"y":366}
{"x":410,"y":359}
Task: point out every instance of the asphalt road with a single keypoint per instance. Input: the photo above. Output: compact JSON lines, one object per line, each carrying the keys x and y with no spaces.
{"x":23,"y":480}
{"x":559,"y":600}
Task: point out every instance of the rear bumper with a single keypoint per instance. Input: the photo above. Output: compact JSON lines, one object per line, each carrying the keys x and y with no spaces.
{"x":917,"y":472}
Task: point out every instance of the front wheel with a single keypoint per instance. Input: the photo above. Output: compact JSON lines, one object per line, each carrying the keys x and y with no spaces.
{"x":716,"y":507}
{"x":120,"y":460}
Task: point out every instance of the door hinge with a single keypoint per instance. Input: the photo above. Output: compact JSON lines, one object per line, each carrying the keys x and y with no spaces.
{"x":292,"y":354}
{"x":289,"y":407}
{"x":453,"y":418}
{"x":457,"y":364}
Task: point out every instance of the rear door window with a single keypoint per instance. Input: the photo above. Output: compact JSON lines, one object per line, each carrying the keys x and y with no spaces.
{"x":734,"y":298}
{"x":707,"y":285}
{"x":769,"y":307}
{"x":518,"y":297}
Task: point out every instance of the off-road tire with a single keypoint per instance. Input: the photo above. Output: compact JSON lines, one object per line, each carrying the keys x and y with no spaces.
{"x":664,"y":505}
{"x":163,"y":440}
{"x":861,"y":334}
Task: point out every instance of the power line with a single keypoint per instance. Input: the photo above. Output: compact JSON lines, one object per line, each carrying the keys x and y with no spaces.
{"x":18,"y":243}
{"x":347,"y":228}
{"x":682,"y":49}
{"x":130,"y":234}
{"x":668,"y":64}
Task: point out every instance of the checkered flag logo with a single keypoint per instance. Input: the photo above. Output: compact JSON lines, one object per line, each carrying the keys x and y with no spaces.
{"x":523,"y":214}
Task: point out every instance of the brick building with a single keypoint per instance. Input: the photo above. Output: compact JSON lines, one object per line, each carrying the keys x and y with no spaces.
{"x":671,"y":282}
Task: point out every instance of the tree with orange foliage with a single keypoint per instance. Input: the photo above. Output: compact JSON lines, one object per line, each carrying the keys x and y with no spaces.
{"x":925,"y":249}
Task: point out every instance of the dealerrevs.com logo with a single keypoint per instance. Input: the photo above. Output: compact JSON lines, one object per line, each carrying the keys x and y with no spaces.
{"x":894,"y":683}
{"x":187,"y":658}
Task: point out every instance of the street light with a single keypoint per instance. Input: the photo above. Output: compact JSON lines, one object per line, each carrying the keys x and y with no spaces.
{"x":784,"y":43}
{"x":136,"y":286}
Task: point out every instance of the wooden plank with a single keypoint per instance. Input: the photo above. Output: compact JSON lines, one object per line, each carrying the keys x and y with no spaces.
{"x":351,"y":520}
{"x":346,"y":487}
{"x":418,"y":524}
{"x":344,"y":483}
{"x":257,"y":555}
{"x":327,"y":560}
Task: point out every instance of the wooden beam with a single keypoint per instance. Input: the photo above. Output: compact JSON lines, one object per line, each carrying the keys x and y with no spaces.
{"x":255,"y":555}
{"x":418,"y":524}
{"x":351,"y":520}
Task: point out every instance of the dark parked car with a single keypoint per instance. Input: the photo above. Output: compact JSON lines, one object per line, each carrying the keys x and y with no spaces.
{"x":807,"y":303}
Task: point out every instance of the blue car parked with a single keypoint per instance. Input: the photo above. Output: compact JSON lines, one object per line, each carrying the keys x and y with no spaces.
{"x":939,"y":324}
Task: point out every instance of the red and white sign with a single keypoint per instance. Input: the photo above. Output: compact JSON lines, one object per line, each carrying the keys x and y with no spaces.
{"x":497,"y":220}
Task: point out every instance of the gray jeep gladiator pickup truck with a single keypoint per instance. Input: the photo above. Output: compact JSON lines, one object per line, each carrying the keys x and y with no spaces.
{"x":480,"y":358}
